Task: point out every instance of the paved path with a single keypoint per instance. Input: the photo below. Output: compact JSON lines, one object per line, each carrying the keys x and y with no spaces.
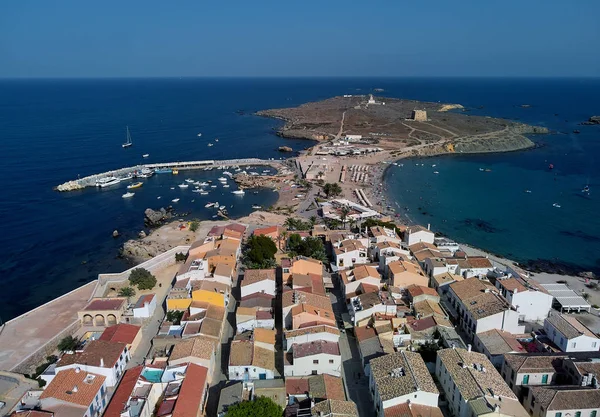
{"x":24,"y":335}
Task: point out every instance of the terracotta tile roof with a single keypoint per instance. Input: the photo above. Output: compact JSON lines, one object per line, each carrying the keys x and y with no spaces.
{"x":511,"y":284}
{"x":297,"y":386}
{"x":143,"y":300}
{"x":212,"y":286}
{"x":365,"y":271}
{"x":124,"y":333}
{"x":412,"y":410}
{"x":264,"y":315}
{"x":417,"y":228}
{"x":123,"y":392}
{"x":427,"y":308}
{"x":301,"y":350}
{"x":200,"y":304}
{"x":422,"y":324}
{"x":247,"y":312}
{"x":267,"y":230}
{"x":424,"y":254}
{"x":241,"y":353}
{"x":387,"y":244}
{"x":569,"y":326}
{"x":469,"y":288}
{"x":63,"y":384}
{"x":198,"y":347}
{"x":499,"y":342}
{"x":364,"y":333}
{"x":335,"y":408}
{"x":349,"y":246}
{"x":191,"y":394}
{"x":473,"y":383}
{"x":224,"y":270}
{"x":534,"y":364}
{"x":192,"y":329}
{"x":479,"y":262}
{"x":566,"y":398}
{"x":383,"y":231}
{"x":93,"y":353}
{"x":211,"y":327}
{"x":263,"y":358}
{"x":252,"y":276}
{"x":316,"y":311}
{"x":257,"y":300}
{"x":105,"y":304}
{"x":265,"y":335}
{"x":165,"y":408}
{"x":32,"y":413}
{"x":420,"y":246}
{"x":300,"y":280}
{"x":417,"y":290}
{"x":486,"y":305}
{"x":326,"y":386}
{"x":311,"y":330}
{"x":240,"y":228}
{"x":401,"y":373}
{"x":446,"y":278}
{"x":319,"y":301}
{"x":215,"y":312}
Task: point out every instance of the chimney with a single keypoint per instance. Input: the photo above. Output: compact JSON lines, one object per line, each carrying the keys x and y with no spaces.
{"x":77,"y":370}
{"x":428,"y":226}
{"x":75,"y":389}
{"x":101,"y":362}
{"x":468,"y":348}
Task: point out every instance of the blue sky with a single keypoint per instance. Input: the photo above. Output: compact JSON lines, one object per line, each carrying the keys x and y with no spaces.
{"x":299,"y":38}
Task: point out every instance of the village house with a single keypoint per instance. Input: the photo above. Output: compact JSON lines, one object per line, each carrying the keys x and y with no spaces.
{"x":418,"y":293}
{"x":372,"y":345}
{"x":305,"y":315}
{"x":123,"y":333}
{"x":249,"y":360}
{"x":525,"y":370}
{"x":73,"y":393}
{"x":531,"y":300}
{"x":350,"y":280}
{"x":335,"y":408}
{"x":563,"y":401}
{"x":144,"y":307}
{"x":313,"y":358}
{"x":399,"y":378}
{"x":402,"y":273}
{"x":387,"y":252}
{"x":416,"y":234}
{"x":381,"y":234}
{"x":99,"y":357}
{"x":569,"y":334}
{"x":440,"y":282}
{"x":317,"y":387}
{"x":201,"y":351}
{"x":137,"y":394}
{"x":273,"y":232}
{"x":187,"y":397}
{"x":310,"y":334}
{"x":292,"y":298}
{"x":103,"y":312}
{"x":363,"y":306}
{"x":480,"y":308}
{"x":249,"y":318}
{"x":258,"y":281}
{"x":583,"y":369}
{"x":301,"y":265}
{"x":494,"y":344}
{"x":349,"y":253}
{"x":473,"y":387}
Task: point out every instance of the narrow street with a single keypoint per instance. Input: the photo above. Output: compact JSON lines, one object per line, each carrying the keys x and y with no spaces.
{"x":355,"y":382}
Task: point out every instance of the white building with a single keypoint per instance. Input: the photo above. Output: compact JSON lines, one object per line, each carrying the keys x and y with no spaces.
{"x":416,"y":234}
{"x":249,"y":318}
{"x":569,"y":334}
{"x":363,"y":306}
{"x":247,"y":361}
{"x":313,"y":358}
{"x":526,"y":370}
{"x":480,"y":308}
{"x":258,"y":281}
{"x":398,"y":378}
{"x":532,"y":301}
{"x":350,"y":280}
{"x":137,"y":394}
{"x":74,"y":393}
{"x":350,"y":253}
{"x":309,"y":335}
{"x":494,"y":344}
{"x":98,"y":357}
{"x":145,"y":306}
{"x":473,"y":387}
{"x":381,"y":234}
{"x":558,"y":402}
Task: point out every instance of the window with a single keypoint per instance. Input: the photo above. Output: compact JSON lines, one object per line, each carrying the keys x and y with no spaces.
{"x":594,"y":344}
{"x":558,"y":415}
{"x":544,"y":379}
{"x":330,"y":360}
{"x":577,"y":413}
{"x":574,"y":344}
{"x":593,"y":413}
{"x":315,"y":362}
{"x":525,"y":379}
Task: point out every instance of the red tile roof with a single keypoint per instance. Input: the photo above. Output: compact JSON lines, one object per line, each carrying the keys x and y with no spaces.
{"x":123,"y":392}
{"x":296,"y":386}
{"x":144,"y":299}
{"x":191,"y":394}
{"x":416,"y":290}
{"x":63,"y":384}
{"x":124,"y":333}
{"x":314,"y":348}
{"x":105,"y":304}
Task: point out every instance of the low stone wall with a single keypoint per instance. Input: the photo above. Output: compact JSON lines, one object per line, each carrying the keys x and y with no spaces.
{"x":28,"y":365}
{"x":158,"y":262}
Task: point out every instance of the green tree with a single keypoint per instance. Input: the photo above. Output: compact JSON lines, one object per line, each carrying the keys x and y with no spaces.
{"x":68,"y":343}
{"x":428,"y":351}
{"x":181,"y":257}
{"x":174,"y":316}
{"x":282,"y":238}
{"x":127,"y":292}
{"x":260,"y":252}
{"x":344,"y":215}
{"x":142,"y":278}
{"x":260,"y":407}
{"x":311,"y":247}
{"x":332,"y":189}
{"x":313,"y":221}
{"x":194,"y":225}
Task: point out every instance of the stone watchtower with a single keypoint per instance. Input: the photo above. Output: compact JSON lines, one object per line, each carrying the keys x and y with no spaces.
{"x":419,"y":115}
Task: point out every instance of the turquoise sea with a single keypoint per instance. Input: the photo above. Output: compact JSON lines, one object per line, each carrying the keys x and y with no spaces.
{"x":54,"y":130}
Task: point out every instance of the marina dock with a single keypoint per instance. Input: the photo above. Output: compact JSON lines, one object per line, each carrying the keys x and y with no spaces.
{"x":90,"y":181}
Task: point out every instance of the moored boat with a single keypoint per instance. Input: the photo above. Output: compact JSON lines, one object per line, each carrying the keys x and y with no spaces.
{"x":107,"y":182}
{"x":175,"y":200}
{"x":182,"y":185}
{"x":135,"y":185}
{"x":238,"y":192}
{"x":128,"y":195}
{"x":163,"y":171}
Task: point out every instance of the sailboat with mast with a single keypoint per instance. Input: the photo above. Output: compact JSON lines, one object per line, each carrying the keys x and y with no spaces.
{"x":128,"y":143}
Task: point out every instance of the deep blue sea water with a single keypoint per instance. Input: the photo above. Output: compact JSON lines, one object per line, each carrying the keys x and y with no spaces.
{"x":54,"y":130}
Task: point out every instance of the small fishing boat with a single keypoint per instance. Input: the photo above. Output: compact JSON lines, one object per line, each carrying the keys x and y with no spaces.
{"x":238,"y":192}
{"x":172,"y":188}
{"x":146,"y":155}
{"x":196,"y":191}
{"x":209,"y":205}
{"x":199,"y":134}
{"x":213,"y":186}
{"x":189,"y":180}
{"x":481,"y":169}
{"x":183,"y":185}
{"x":556,"y":205}
{"x":202,"y":184}
{"x":528,"y":191}
{"x":158,"y":198}
{"x":256,"y":206}
{"x":128,"y":142}
{"x":135,"y":185}
{"x":128,"y":195}
{"x":225,"y":185}
{"x":202,"y":192}
{"x":586,"y":189}
{"x":488,"y":170}
{"x":175,"y":200}
{"x":222,"y":179}
{"x":222,"y":208}
{"x":210,"y":144}
{"x":435,"y":172}
{"x":175,"y":172}
{"x":216,"y":140}
{"x":163,"y":171}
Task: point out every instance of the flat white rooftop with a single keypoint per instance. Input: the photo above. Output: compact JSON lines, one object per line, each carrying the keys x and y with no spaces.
{"x":566,"y":297}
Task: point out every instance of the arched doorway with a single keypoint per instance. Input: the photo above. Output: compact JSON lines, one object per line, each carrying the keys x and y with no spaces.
{"x":99,"y":320}
{"x":111,"y":319}
{"x":88,"y":320}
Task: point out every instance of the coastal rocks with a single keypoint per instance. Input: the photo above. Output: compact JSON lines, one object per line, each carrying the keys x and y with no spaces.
{"x":551,"y":267}
{"x":115,"y":233}
{"x":448,"y":107}
{"x":285,"y":149}
{"x":70,"y":186}
{"x":594,"y":120}
{"x":155,"y":218}
{"x":142,"y":234}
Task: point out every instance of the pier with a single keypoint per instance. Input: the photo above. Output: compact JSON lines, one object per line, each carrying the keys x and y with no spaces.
{"x":90,"y":181}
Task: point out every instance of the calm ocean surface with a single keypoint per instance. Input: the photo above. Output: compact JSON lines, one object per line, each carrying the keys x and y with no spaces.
{"x":54,"y":130}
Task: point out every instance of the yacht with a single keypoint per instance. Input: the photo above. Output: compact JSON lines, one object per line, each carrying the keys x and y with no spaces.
{"x":238,"y":192}
{"x":225,"y":185}
{"x":175,"y":200}
{"x":107,"y":181}
{"x":146,"y":155}
{"x":128,"y":195}
{"x":183,"y":185}
{"x":146,"y":173}
{"x":202,"y":192}
{"x":256,"y":206}
{"x":128,"y":142}
{"x":222,"y":179}
{"x":209,"y":205}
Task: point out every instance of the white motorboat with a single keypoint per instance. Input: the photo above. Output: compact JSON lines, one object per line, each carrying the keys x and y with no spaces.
{"x":556,"y":205}
{"x":128,"y":195}
{"x":172,"y":188}
{"x":256,"y":206}
{"x":209,"y":205}
{"x":435,"y":172}
{"x":222,"y":179}
{"x":197,"y":191}
{"x":189,"y":180}
{"x":225,"y":185}
{"x":213,"y":186}
{"x":199,"y":134}
{"x":108,"y":181}
{"x":183,"y":185}
{"x":146,"y":173}
{"x":146,"y":155}
{"x":222,"y":208}
{"x":175,"y":200}
{"x":158,"y":198}
{"x":202,"y":184}
{"x":202,"y":192}
{"x":238,"y":192}
{"x":210,"y":144}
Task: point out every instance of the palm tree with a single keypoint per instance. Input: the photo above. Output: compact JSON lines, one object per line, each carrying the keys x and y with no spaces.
{"x":344,"y":215}
{"x":290,"y":223}
{"x":313,"y":220}
{"x":282,"y":237}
